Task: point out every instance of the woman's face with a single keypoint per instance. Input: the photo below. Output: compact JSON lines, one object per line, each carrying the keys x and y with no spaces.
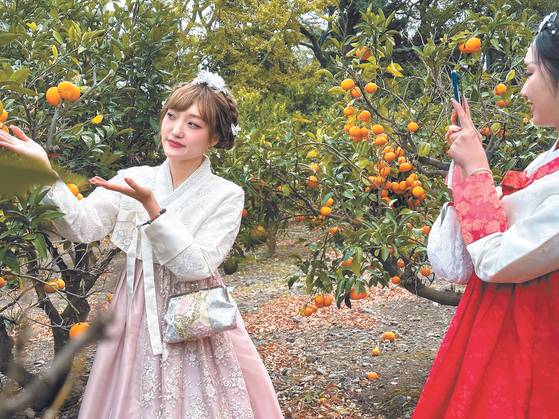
{"x":185,"y":135}
{"x":538,"y":90}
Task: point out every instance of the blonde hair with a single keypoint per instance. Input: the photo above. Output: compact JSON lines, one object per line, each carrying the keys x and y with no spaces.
{"x":217,"y":109}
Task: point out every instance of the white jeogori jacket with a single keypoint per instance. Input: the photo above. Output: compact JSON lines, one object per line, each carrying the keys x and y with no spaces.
{"x":203,"y":216}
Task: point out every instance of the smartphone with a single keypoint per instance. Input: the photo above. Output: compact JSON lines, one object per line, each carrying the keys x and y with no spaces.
{"x":455,"y":86}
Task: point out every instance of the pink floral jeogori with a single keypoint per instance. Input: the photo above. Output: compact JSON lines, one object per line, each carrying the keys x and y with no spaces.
{"x":478,"y":207}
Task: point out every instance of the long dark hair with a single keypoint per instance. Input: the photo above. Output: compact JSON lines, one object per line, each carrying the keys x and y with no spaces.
{"x":546,"y":49}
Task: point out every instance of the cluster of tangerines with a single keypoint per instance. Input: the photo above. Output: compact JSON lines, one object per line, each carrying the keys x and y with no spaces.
{"x":392,"y":160}
{"x":357,"y":123}
{"x":64,"y":91}
{"x":54,"y":285}
{"x":500,"y":91}
{"x":424,"y":270}
{"x":393,"y":177}
{"x":318,"y":302}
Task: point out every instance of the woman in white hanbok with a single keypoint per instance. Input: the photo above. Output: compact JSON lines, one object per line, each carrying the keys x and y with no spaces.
{"x":135,"y":374}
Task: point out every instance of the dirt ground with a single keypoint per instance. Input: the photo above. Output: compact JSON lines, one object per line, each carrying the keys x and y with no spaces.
{"x":318,"y":364}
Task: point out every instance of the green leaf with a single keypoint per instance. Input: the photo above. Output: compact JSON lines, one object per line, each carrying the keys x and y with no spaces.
{"x":18,"y":174}
{"x":40,"y":245}
{"x":510,"y":75}
{"x":57,"y":36}
{"x":337,"y":90}
{"x":20,"y":75}
{"x":7,"y":37}
{"x":16,"y":88}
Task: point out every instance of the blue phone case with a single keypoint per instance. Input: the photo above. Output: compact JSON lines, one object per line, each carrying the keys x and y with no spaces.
{"x":455,"y":88}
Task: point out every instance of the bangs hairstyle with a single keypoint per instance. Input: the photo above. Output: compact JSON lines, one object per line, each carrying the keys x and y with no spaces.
{"x":217,"y":109}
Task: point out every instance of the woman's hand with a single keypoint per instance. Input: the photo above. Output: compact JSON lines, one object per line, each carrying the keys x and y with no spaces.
{"x":465,"y":142}
{"x":140,"y":193}
{"x":23,"y":145}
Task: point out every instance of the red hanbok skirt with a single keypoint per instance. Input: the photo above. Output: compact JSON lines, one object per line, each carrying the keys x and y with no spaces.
{"x":500,"y":355}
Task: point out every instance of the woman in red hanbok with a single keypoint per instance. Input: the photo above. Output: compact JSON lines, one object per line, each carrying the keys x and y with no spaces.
{"x":499,"y":358}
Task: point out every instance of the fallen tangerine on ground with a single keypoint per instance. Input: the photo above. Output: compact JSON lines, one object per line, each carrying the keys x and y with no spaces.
{"x":68,"y":91}
{"x":60,"y":284}
{"x":307,"y":311}
{"x":53,"y":97}
{"x":390,"y":336}
{"x":500,"y":89}
{"x":426,"y":229}
{"x":347,"y":84}
{"x":395,"y":279}
{"x":371,"y":88}
{"x":328,"y":300}
{"x":375,"y":351}
{"x":373,"y":375}
{"x":413,"y":126}
{"x":319,"y":301}
{"x":2,"y":282}
{"x":78,"y":329}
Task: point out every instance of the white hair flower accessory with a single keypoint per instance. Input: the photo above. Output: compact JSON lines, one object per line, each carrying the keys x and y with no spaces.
{"x":235,"y":129}
{"x":214,"y":80}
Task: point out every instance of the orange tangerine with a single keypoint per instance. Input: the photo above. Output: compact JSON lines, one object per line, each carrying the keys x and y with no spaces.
{"x":364,"y":116}
{"x":347,"y":84}
{"x":371,"y":88}
{"x":500,"y":89}
{"x":413,"y":126}
{"x":377,"y":129}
